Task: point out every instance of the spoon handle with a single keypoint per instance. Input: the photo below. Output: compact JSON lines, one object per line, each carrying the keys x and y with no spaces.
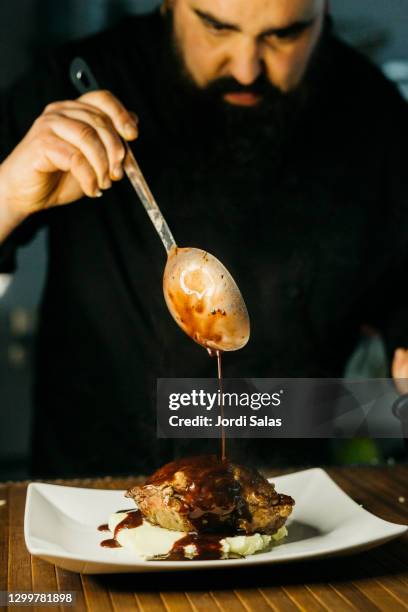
{"x":135,"y":176}
{"x":84,"y":81}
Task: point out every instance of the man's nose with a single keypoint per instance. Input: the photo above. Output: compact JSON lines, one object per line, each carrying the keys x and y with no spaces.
{"x":245,"y":63}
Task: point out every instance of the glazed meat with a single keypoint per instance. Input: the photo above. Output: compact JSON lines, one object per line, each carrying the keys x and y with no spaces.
{"x":206,"y":494}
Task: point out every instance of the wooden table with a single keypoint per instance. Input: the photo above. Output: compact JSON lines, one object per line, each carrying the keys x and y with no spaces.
{"x":375,"y":580}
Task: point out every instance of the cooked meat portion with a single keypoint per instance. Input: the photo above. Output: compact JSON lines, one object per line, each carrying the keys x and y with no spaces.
{"x":206,"y":494}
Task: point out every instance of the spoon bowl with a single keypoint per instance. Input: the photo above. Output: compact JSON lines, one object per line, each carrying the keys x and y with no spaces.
{"x":204,"y":300}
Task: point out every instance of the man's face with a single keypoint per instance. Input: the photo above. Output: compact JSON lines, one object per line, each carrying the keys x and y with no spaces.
{"x":242,"y":40}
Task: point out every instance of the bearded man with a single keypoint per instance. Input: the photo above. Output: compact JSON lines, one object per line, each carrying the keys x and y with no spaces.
{"x":267,"y":142}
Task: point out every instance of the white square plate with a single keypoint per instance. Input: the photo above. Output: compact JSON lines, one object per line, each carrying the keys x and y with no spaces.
{"x":60,"y":526}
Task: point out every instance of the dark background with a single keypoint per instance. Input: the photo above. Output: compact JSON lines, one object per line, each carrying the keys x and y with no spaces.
{"x":377,"y":27}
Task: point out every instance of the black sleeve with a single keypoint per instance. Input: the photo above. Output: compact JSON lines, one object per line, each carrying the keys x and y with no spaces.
{"x":391,"y":293}
{"x":45,"y":82}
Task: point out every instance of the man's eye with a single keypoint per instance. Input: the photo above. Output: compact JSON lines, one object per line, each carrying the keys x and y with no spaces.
{"x":289,"y":34}
{"x":283,"y":36}
{"x":215,"y":26}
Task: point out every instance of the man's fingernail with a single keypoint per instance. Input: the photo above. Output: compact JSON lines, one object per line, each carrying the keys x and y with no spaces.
{"x":107,"y":183}
{"x":117,"y":172}
{"x":130,"y":131}
{"x":98,"y":193}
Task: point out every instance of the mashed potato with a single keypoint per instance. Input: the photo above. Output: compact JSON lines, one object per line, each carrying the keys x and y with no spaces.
{"x":148,"y":541}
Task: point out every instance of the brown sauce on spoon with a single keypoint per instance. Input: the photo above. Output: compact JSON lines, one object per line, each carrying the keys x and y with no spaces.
{"x":190,"y":302}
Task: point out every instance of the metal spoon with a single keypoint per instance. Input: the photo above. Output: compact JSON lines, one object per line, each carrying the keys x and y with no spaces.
{"x":200,"y":293}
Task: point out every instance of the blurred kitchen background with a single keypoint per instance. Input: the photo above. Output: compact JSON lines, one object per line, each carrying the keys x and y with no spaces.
{"x":377,"y":27}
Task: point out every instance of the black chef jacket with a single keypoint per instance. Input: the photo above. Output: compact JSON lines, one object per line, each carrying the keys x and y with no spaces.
{"x":318,"y":248}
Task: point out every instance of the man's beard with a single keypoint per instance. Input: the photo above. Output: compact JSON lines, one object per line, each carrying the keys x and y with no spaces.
{"x":230,"y":133}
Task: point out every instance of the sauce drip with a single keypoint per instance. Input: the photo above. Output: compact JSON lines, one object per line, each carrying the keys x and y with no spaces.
{"x":218,"y":355}
{"x":111,"y":543}
{"x":208,"y":547}
{"x":221,"y":405}
{"x":133,"y":518}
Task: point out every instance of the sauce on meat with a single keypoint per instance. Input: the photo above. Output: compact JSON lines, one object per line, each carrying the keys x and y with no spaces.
{"x":211,"y":496}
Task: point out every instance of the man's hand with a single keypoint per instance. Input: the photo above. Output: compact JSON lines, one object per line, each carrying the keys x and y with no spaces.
{"x":400,"y":370}
{"x":73,"y":149}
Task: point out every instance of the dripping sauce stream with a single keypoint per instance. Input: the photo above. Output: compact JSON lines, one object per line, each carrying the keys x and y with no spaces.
{"x":221,"y":404}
